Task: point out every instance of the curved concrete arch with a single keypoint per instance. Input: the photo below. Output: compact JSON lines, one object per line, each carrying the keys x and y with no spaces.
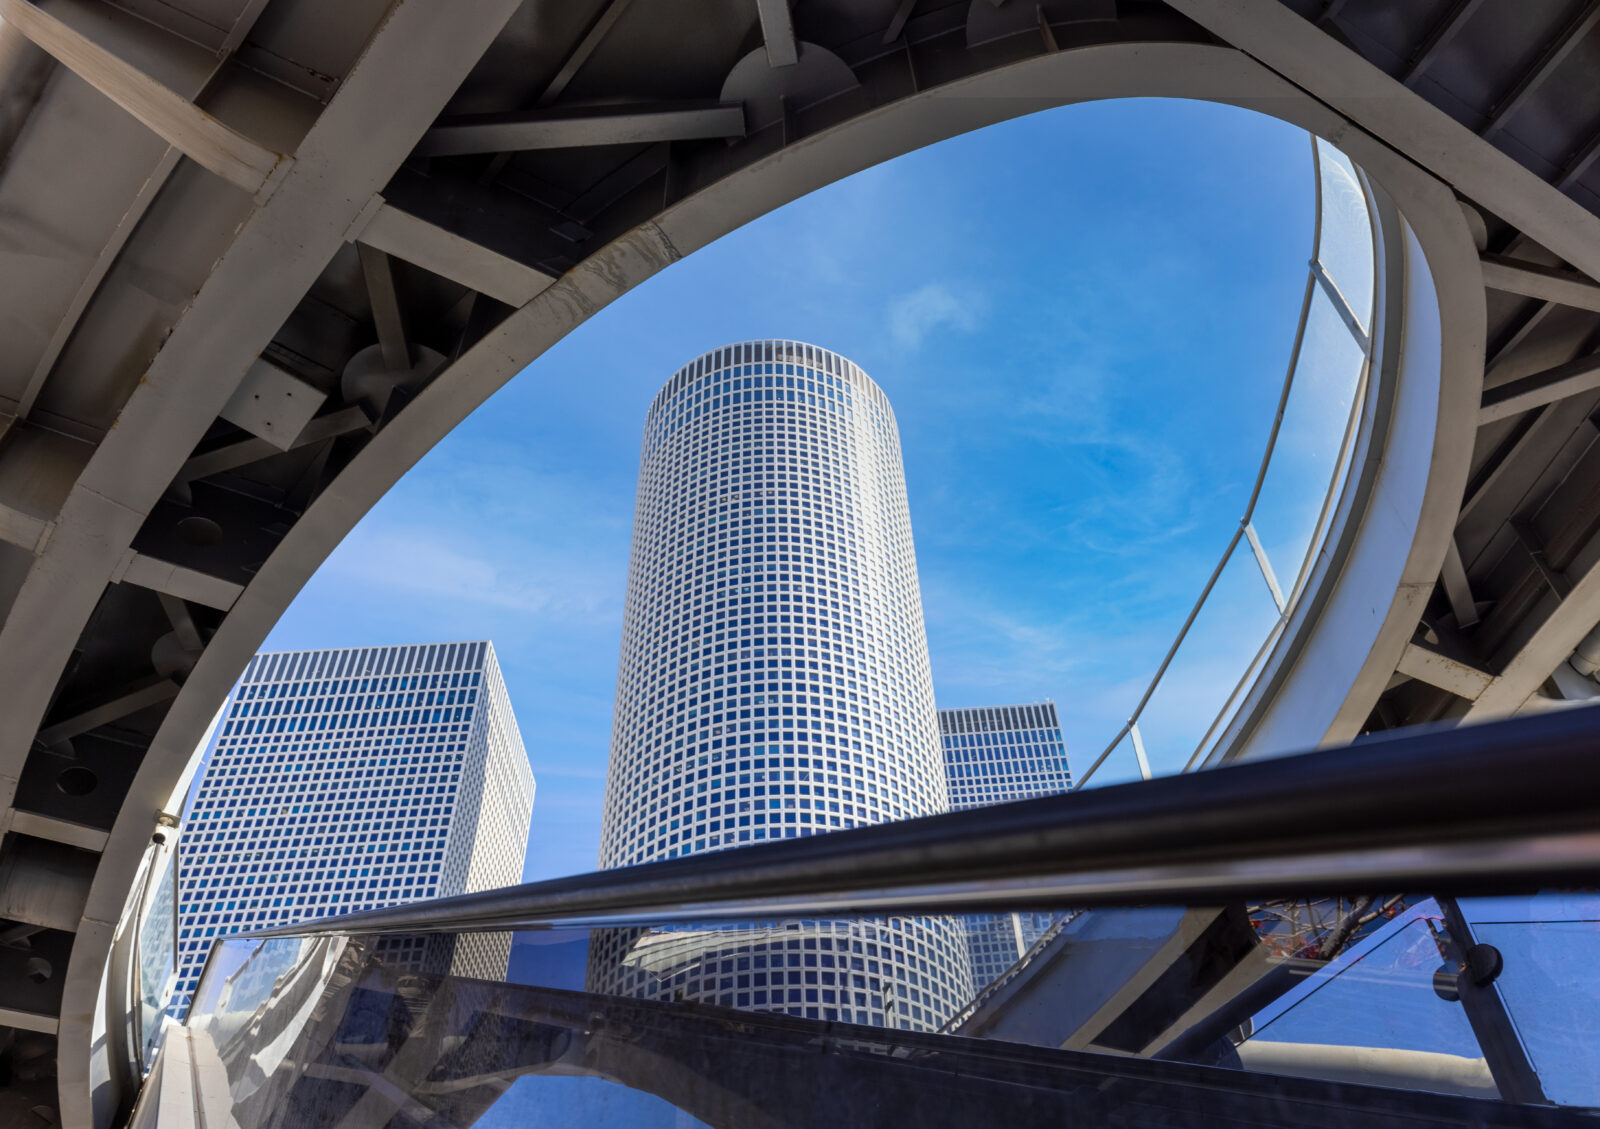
{"x":1212,"y":73}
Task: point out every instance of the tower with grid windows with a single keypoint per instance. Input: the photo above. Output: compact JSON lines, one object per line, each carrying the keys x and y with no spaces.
{"x":355,"y":779}
{"x":993,"y":755}
{"x":774,"y":680}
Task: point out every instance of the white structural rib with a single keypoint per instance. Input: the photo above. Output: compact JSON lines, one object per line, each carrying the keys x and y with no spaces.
{"x":1280,"y":38}
{"x":185,"y":126}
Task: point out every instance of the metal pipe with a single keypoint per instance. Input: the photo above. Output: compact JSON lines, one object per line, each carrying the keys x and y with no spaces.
{"x":1433,"y":811}
{"x":1586,"y":657}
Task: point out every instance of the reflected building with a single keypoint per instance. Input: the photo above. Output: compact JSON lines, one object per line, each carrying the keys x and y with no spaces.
{"x":355,"y":779}
{"x":774,"y":680}
{"x":994,"y":755}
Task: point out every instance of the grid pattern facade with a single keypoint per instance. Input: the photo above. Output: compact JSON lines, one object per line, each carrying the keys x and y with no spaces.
{"x":354,"y":779}
{"x":993,"y":755}
{"x":996,"y":754}
{"x":774,"y":677}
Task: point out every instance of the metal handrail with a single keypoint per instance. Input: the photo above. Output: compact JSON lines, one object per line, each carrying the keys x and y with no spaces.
{"x":1431,"y":810}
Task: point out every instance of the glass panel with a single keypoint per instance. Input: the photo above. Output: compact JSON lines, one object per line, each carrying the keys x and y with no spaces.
{"x":1307,"y":453}
{"x":157,"y":954}
{"x":1374,"y":1013}
{"x":1220,"y":647}
{"x":1346,"y":248}
{"x":1550,"y":984}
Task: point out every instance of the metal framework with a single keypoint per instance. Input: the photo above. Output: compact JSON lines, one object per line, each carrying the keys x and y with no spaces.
{"x":260,"y":255}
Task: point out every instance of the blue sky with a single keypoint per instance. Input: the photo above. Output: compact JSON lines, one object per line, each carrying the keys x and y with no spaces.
{"x":1082,"y":319}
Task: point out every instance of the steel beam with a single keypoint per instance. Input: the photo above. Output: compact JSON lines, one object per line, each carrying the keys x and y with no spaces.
{"x":1441,"y":34}
{"x":130,"y":702}
{"x":1551,"y":643}
{"x":1457,"y":588}
{"x":247,"y":451}
{"x":1277,"y":36}
{"x":58,"y":831}
{"x":580,"y":128}
{"x":387,"y":317}
{"x":182,"y":124}
{"x":1554,"y":54}
{"x":585,"y":47}
{"x":777,"y":29}
{"x":176,"y":580}
{"x":1459,"y":678}
{"x":1532,"y":280}
{"x":1537,"y":389}
{"x":19,"y":528}
{"x":451,"y":256}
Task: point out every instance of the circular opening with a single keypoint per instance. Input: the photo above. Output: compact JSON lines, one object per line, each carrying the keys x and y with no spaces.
{"x":200,"y":531}
{"x":77,"y":781}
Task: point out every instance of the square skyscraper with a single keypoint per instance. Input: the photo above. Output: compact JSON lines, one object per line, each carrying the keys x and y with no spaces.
{"x":355,"y":779}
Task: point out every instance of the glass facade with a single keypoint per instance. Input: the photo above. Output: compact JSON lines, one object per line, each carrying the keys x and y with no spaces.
{"x":774,"y":678}
{"x":993,"y":755}
{"x":346,"y":780}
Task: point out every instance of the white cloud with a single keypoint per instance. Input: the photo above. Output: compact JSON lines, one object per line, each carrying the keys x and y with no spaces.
{"x":913,"y":316}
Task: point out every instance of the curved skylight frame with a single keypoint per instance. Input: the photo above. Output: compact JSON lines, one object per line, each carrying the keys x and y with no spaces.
{"x":1345,"y":239}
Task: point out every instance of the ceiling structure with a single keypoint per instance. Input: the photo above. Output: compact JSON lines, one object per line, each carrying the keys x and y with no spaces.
{"x":259,"y":255}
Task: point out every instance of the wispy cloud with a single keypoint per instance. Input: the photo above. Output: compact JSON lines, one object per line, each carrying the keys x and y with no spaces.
{"x":914,"y":316}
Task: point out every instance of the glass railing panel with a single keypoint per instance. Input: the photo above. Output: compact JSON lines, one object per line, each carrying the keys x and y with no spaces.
{"x":1221,"y":648}
{"x":1304,"y":462}
{"x":1345,"y":248}
{"x":1374,"y":1012}
{"x":1550,"y":982}
{"x":157,"y":952}
{"x":1229,"y":1015}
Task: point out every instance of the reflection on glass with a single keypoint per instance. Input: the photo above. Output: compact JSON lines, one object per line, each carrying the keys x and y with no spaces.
{"x":1220,"y":648}
{"x":1374,"y":1013}
{"x":909,"y":973}
{"x":1346,"y":244}
{"x":331,"y":1032}
{"x":1303,"y":464}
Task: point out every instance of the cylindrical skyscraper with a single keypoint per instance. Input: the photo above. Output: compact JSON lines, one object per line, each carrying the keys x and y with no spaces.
{"x":774,"y":677}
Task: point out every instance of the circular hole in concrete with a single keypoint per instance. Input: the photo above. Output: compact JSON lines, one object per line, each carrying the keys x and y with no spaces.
{"x":77,"y":781}
{"x":200,"y":531}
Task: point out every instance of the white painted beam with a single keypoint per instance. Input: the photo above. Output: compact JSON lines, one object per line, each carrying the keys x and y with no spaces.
{"x":445,"y":253}
{"x":19,"y":528}
{"x":1540,"y":388}
{"x":1459,"y":678}
{"x":1533,"y":280}
{"x":248,"y":451}
{"x":1550,"y":644}
{"x":198,"y":135}
{"x":105,"y":713}
{"x":574,"y":129}
{"x":58,"y":831}
{"x":28,"y":1020}
{"x":176,"y":580}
